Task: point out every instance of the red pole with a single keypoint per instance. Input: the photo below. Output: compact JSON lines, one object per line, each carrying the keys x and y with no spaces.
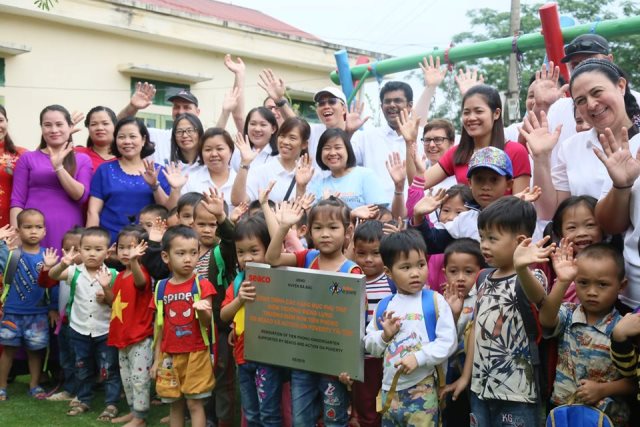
{"x":553,"y":41}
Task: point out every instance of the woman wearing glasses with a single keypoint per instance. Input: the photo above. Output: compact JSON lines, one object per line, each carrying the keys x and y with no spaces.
{"x":185,"y":138}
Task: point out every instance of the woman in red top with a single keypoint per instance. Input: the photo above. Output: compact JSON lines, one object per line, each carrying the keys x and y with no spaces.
{"x":100,"y":123}
{"x":9,"y":155}
{"x":482,"y":127}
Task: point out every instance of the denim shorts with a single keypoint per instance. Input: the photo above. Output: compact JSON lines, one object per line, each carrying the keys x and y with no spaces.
{"x":28,"y":330}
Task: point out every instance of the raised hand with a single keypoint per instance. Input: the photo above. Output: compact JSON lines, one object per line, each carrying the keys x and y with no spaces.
{"x":103,"y":276}
{"x":354,"y":120}
{"x":627,"y":327}
{"x":454,"y":298}
{"x":57,"y":158}
{"x":306,"y":200}
{"x":529,"y":194}
{"x":174,"y":175}
{"x":408,"y":126}
{"x":419,"y":162}
{"x":622,"y":167}
{"x":564,"y":264}
{"x":540,"y":141}
{"x":468,"y":79}
{"x":236,"y":67}
{"x":150,"y":173}
{"x":138,"y":250}
{"x":430,"y":202}
{"x":238,"y":211}
{"x":546,"y":90}
{"x":213,"y":202}
{"x":230,"y":100}
{"x":304,"y":171}
{"x":326,"y":193}
{"x":143,"y":95}
{"x":76,"y":119}
{"x":111,"y":252}
{"x":289,"y":213}
{"x":273,"y":85}
{"x":247,"y":292}
{"x":365,"y":212}
{"x":396,"y":168}
{"x":433,"y":74}
{"x":528,"y":253}
{"x":157,"y":230}
{"x":68,"y":257}
{"x":247,"y":154}
{"x":264,"y":193}
{"x":393,"y":227}
{"x":50,"y":258}
{"x":390,"y":325}
{"x":7,"y":232}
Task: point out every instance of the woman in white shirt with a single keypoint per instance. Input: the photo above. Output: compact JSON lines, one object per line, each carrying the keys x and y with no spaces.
{"x":185,"y":137}
{"x":261,"y":128}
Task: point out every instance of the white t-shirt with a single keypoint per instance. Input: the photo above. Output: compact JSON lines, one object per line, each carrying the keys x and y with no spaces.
{"x":200,"y":181}
{"x":88,"y":316}
{"x":260,"y":176}
{"x":162,"y":140}
{"x":263,"y":157}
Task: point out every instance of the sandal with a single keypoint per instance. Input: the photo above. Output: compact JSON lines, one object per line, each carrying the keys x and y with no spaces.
{"x":80,"y":408}
{"x":3,"y":394}
{"x":109,"y":413}
{"x":38,"y":393}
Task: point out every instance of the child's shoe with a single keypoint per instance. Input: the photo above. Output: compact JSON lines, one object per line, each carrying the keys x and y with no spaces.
{"x":61,"y":396}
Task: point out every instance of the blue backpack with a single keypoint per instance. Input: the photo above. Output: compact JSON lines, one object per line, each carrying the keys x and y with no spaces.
{"x":313,"y":254}
{"x":578,"y":415}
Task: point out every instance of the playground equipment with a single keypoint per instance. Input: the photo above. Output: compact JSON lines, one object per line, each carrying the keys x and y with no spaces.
{"x":552,"y":39}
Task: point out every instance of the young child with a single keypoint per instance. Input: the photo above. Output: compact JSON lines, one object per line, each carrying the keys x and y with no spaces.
{"x":25,"y":304}
{"x":462,"y":262}
{"x":186,"y":205}
{"x":367,"y":255}
{"x":260,"y":384}
{"x":403,"y":340}
{"x":131,"y":327}
{"x":624,"y":353}
{"x":501,"y":372}
{"x":585,"y":371}
{"x":149,"y":213}
{"x":89,"y":316}
{"x":329,"y":222}
{"x":182,"y":362}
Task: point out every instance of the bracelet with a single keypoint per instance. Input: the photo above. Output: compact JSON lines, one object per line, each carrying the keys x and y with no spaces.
{"x":246,"y":167}
{"x":155,"y":186}
{"x":399,"y":193}
{"x":58,"y":169}
{"x":282,"y":102}
{"x":623,"y":187}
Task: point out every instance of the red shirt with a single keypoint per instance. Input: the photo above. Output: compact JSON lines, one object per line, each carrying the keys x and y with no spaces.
{"x":516,"y":152}
{"x":181,"y":329}
{"x":238,"y":348}
{"x":7,"y":165}
{"x":131,"y":319}
{"x":96,"y":159}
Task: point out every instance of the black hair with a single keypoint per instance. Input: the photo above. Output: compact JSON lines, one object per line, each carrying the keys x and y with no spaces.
{"x":334,"y":208}
{"x":614,"y":74}
{"x":368,"y":232}
{"x":69,"y":161}
{"x":212,"y":133}
{"x":464,"y":191}
{"x":571,"y":202}
{"x":135,"y":231}
{"x":509,"y":214}
{"x":9,"y":146}
{"x":402,"y":243}
{"x":252,"y":227}
{"x":28,"y":212}
{"x":271,"y":118}
{"x":395,"y":85}
{"x":189,"y":199}
{"x":256,"y":205}
{"x":467,"y":144}
{"x":382,"y":211}
{"x":175,"y":232}
{"x":598,"y":251}
{"x":176,"y":153}
{"x":327,"y":136}
{"x":98,"y":109}
{"x":303,"y":128}
{"x":147,"y":149}
{"x":74,"y":231}
{"x":464,"y":246}
{"x":96,"y":232}
{"x":154,"y":208}
{"x":443,"y":124}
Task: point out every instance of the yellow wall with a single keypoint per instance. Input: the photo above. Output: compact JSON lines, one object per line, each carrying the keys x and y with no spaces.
{"x":77,"y":48}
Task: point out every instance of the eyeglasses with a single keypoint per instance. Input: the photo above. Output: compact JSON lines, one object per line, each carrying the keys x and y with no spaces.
{"x":585,"y":46}
{"x":389,"y":101}
{"x":325,"y":101}
{"x":272,"y":107}
{"x":188,"y":131}
{"x":438,"y":140}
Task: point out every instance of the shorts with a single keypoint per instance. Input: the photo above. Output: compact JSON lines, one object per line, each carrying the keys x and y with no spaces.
{"x":185,"y":375}
{"x":28,"y":330}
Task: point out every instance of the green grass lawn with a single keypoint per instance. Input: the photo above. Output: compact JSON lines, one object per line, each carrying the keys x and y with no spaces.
{"x":21,"y":410}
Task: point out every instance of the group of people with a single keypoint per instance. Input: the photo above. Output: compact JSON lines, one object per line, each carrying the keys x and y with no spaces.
{"x":130,"y":252}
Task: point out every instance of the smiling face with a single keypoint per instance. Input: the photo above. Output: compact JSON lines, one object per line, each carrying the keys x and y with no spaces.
{"x":259,"y":130}
{"x":129,"y":141}
{"x":101,"y":128}
{"x":392,"y":103}
{"x":477,"y":117}
{"x":409,"y":272}
{"x":436,"y":143}
{"x":579,"y":226}
{"x":599,"y":101}
{"x":331,"y":111}
{"x":187,"y":136}
{"x":55,"y":128}
{"x":216,"y":154}
{"x":290,"y":145}
{"x":335,"y":155}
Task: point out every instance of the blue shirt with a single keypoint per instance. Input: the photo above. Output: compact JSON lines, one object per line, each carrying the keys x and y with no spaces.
{"x":123,"y":195}
{"x":25,"y":296}
{"x":359,"y":187}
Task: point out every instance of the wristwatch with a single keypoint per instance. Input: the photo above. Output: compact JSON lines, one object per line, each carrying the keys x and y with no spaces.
{"x":282,"y":102}
{"x":244,"y":166}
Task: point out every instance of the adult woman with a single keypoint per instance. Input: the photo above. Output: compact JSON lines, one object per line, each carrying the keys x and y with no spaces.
{"x":261,"y":129}
{"x":602,"y":98}
{"x":482,"y":127}
{"x":216,"y":148}
{"x":185,"y":137}
{"x":293,"y":138}
{"x":120,"y":189}
{"x":100,"y":123}
{"x":356,"y":185}
{"x":9,"y":155}
{"x":52,"y":179}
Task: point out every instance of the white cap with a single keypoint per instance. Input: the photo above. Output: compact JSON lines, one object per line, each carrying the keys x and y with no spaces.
{"x":333,"y":90}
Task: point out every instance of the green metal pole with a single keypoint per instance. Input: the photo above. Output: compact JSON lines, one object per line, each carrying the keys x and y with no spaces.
{"x":358,"y":86}
{"x":610,"y":29}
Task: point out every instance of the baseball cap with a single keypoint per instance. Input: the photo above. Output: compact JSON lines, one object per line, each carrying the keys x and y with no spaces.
{"x":185,"y":95}
{"x":586,"y":44}
{"x":333,"y":91}
{"x":491,"y":158}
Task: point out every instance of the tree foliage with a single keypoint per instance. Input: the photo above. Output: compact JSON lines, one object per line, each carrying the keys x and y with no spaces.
{"x":45,"y":4}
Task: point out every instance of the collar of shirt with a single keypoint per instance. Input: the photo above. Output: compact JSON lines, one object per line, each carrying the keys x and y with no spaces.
{"x":604,"y":325}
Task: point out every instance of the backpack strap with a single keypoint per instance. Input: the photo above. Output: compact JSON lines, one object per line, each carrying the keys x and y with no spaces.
{"x":348,"y":266}
{"x":159,"y":297}
{"x":381,"y":308}
{"x":196,"y":291}
{"x":237,"y":282}
{"x":482,"y":276}
{"x":220,"y":265}
{"x":72,"y":293}
{"x":430,"y":312}
{"x":9,"y":272}
{"x":534,"y":334}
{"x":310,"y":257}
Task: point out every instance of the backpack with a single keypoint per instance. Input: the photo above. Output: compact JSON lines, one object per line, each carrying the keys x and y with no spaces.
{"x":74,"y":283}
{"x":430,"y":314}
{"x":578,"y":415}
{"x":9,"y":272}
{"x":313,"y":254}
{"x":543,"y":351}
{"x":209,"y":337}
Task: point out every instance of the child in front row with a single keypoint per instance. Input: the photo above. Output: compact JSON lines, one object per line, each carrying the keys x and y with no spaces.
{"x":585,"y":372}
{"x":89,"y":316}
{"x":403,"y":341}
{"x":182,"y":361}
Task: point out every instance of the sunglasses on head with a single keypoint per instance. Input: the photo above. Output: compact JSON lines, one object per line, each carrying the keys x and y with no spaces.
{"x":585,"y":46}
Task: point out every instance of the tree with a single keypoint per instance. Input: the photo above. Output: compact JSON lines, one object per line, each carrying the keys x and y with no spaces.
{"x":45,"y":4}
